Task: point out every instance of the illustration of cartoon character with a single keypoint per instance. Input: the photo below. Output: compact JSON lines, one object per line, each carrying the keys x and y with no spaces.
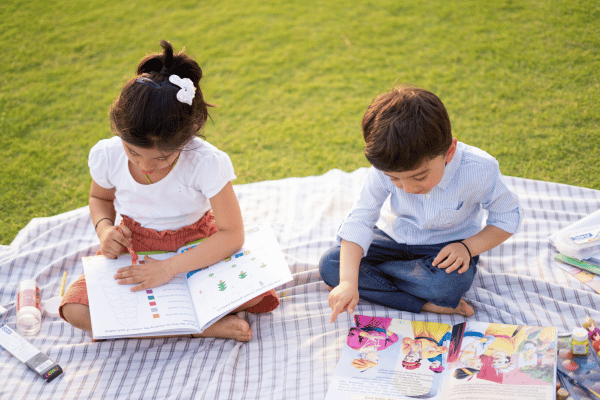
{"x":469,"y":363}
{"x":426,"y":344}
{"x":367,"y":358}
{"x":370,"y":335}
{"x":371,"y":331}
{"x":537,"y":354}
{"x":527,"y":354}
{"x":513,"y":345}
{"x":436,"y":366}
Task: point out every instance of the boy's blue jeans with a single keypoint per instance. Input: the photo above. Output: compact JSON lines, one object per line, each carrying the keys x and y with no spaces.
{"x":402,"y":276}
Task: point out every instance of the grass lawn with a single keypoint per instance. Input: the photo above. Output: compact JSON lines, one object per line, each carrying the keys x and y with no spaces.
{"x":292,"y":79}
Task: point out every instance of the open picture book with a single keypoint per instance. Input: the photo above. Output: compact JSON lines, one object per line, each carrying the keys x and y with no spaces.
{"x":190,"y":302}
{"x":387,"y":359}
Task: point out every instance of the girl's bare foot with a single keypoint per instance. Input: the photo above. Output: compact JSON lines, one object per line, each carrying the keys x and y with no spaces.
{"x":228,"y":327}
{"x":463,"y":309}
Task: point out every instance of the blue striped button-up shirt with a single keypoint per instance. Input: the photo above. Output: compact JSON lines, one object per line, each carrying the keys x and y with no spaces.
{"x":471,"y":187}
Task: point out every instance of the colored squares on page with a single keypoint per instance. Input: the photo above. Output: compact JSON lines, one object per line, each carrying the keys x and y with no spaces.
{"x":152,"y":304}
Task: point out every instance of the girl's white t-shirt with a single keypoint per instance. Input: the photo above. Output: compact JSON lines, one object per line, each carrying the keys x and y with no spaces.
{"x":179,"y":199}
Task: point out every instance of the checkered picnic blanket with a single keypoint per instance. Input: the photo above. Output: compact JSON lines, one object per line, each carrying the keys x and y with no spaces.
{"x":294,"y":350}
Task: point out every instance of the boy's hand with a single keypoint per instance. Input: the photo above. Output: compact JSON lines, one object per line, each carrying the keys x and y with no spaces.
{"x":452,"y":257}
{"x":343,"y":297}
{"x":112,"y":241}
{"x":147,"y":276}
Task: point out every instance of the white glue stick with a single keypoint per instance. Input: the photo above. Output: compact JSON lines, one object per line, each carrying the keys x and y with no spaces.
{"x":28,"y":354}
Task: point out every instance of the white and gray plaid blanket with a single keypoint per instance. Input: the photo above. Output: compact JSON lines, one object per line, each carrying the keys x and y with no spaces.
{"x":294,"y":350}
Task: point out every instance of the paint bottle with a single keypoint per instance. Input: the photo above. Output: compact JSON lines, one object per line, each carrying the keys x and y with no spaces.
{"x":29,"y":309}
{"x":579,"y":342}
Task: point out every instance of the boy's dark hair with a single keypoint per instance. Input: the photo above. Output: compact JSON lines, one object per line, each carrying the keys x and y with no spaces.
{"x":149,"y":115}
{"x":404,"y":128}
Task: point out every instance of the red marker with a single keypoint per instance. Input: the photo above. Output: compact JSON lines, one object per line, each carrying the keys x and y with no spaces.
{"x":134,"y":256}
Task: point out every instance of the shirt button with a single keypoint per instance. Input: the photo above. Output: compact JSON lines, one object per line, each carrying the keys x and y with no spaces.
{"x":427,"y":195}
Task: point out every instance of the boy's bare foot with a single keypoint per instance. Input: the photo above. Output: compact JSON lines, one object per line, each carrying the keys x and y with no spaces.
{"x":228,"y":327}
{"x":463,"y":309}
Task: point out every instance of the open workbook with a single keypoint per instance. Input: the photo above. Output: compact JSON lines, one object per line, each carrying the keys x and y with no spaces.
{"x":387,"y":359}
{"x":190,"y":302}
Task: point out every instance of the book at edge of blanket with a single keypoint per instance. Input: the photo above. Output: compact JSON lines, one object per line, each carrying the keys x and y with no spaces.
{"x":582,"y":264}
{"x":389,"y":359}
{"x":190,"y":302}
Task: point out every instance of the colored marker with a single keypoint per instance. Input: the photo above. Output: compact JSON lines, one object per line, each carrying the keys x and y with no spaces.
{"x":134,"y":256}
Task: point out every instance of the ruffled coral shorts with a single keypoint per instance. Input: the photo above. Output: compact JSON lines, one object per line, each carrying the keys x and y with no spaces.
{"x":144,"y":239}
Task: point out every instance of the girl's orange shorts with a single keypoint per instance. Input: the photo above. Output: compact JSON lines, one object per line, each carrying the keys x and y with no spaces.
{"x":144,"y":239}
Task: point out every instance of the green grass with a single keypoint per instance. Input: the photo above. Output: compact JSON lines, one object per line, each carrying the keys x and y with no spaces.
{"x":292,"y":80}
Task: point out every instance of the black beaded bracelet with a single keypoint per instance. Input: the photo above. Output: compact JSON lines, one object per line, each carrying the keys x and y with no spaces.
{"x":466,"y":247}
{"x":102,"y":219}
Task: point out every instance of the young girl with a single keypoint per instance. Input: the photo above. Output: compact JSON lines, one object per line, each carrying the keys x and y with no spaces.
{"x":169,"y":186}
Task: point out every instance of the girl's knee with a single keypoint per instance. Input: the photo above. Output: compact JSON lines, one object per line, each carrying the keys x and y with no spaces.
{"x":77,"y":315}
{"x":329,"y":266}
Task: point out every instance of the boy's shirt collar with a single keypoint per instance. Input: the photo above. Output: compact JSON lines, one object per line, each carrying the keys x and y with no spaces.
{"x":451,"y":167}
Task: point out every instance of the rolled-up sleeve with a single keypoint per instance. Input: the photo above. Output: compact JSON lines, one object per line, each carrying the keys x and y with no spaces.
{"x":358,"y":226}
{"x":504,"y":210}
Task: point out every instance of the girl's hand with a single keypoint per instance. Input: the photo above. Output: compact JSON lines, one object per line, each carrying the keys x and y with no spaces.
{"x":112,"y":241}
{"x":149,"y":275}
{"x":343,"y":297}
{"x":452,"y":257}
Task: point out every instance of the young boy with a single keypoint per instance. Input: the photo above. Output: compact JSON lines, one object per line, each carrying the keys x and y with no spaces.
{"x":422,"y":255}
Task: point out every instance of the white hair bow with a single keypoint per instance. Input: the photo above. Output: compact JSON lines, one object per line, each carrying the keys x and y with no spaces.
{"x":187,"y":92}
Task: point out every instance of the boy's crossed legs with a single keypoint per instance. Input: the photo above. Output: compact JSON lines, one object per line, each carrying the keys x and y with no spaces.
{"x":403,"y":277}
